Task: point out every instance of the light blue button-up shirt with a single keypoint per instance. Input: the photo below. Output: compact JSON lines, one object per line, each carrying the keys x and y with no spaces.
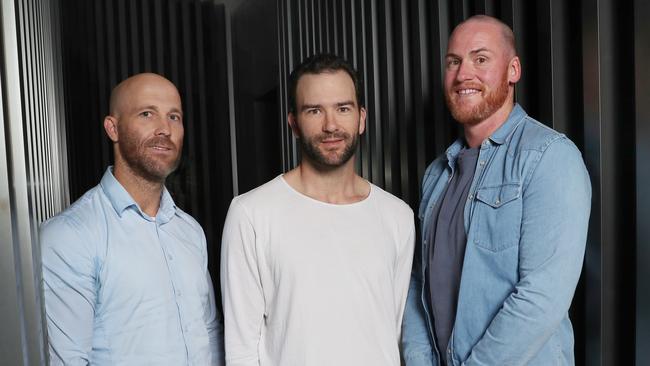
{"x":124,"y":288}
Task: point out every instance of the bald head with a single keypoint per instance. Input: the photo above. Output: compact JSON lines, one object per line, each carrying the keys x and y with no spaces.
{"x":505,"y":32}
{"x":146,"y":126}
{"x":128,"y":90}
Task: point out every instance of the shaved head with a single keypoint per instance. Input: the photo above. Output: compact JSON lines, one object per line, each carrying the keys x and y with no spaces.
{"x":124,"y":91}
{"x":145,"y":123}
{"x":507,"y":36}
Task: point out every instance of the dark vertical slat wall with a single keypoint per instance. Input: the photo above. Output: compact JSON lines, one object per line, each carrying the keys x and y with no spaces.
{"x":578,"y":77}
{"x":642,"y":107}
{"x":106,"y":41}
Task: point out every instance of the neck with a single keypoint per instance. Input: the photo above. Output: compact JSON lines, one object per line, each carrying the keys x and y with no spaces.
{"x":476,"y":133}
{"x":337,"y":186}
{"x":145,"y":192}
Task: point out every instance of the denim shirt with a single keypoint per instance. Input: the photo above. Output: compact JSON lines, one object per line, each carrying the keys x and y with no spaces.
{"x":526,"y":219}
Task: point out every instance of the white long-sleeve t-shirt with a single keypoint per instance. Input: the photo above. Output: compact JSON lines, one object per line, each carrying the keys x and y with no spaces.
{"x":308,"y":283}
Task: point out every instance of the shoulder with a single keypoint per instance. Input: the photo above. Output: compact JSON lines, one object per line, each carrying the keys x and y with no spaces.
{"x":77,"y":229}
{"x":81,"y":216}
{"x":546,"y":151}
{"x":391,"y":203}
{"x":260,"y":201}
{"x":534,"y":135}
{"x":266,"y":193}
{"x":544,"y":142}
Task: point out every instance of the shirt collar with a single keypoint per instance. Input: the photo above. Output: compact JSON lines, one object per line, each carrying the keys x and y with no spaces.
{"x":501,"y":135}
{"x":121,"y":199}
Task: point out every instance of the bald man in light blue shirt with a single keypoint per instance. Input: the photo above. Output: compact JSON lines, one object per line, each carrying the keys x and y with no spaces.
{"x":124,"y":269}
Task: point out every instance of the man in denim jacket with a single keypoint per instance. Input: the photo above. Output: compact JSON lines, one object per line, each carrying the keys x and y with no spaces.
{"x":504,"y":216}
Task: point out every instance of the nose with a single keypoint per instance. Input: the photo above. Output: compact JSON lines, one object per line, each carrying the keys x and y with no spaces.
{"x":330,"y":124}
{"x":163,"y":127}
{"x":464,"y":71}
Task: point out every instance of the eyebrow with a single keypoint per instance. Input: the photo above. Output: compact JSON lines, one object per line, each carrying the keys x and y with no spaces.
{"x":155,"y":108}
{"x":472,"y":52}
{"x":304,"y":107}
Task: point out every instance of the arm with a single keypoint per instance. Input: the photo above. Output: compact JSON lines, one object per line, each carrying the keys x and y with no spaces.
{"x":69,"y":283}
{"x":213,"y":324}
{"x":556,"y":204}
{"x":416,"y":344}
{"x":403,"y":267}
{"x":243,"y":300}
{"x":417,"y":349}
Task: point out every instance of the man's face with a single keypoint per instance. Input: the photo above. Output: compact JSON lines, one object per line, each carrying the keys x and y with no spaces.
{"x":328,"y":120}
{"x":150,"y":128}
{"x":478,"y":72}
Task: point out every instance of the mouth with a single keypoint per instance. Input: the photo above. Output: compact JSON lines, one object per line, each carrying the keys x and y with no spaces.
{"x":328,"y":141}
{"x":331,"y":142}
{"x":467,"y":91}
{"x":161,"y":148}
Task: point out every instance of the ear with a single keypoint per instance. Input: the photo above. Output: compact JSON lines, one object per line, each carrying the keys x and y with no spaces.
{"x":293,"y":124}
{"x":514,"y":70}
{"x":110,"y":126}
{"x":362,"y":120}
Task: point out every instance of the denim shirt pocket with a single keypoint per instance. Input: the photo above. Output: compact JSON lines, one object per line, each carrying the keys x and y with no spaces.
{"x":497,"y":216}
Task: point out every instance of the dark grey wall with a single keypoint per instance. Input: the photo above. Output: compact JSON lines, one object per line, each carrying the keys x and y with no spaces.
{"x":579,"y":77}
{"x":255,"y":65}
{"x":642,"y":171}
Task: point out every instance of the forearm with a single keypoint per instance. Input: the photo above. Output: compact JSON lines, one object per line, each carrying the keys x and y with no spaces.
{"x":416,"y":342}
{"x":241,"y":289}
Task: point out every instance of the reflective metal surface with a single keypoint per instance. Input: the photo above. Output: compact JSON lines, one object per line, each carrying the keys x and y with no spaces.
{"x":33,"y":162}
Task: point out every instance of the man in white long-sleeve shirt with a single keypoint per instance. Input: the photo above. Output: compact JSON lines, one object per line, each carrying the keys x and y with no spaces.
{"x":316,"y":263}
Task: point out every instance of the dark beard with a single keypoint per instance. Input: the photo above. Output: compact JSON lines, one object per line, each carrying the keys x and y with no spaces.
{"x":310,"y":151}
{"x":492,"y":102}
{"x":134,"y":154}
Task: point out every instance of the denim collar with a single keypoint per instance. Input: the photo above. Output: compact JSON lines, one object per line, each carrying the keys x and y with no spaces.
{"x":121,"y":199}
{"x":498,"y":137}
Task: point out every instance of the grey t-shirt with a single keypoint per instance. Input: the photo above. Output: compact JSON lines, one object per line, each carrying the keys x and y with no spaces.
{"x":448,"y":240}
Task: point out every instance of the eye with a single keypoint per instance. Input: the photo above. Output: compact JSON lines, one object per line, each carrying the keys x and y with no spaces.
{"x":481,"y":59}
{"x":146,"y":114}
{"x":313,"y":111}
{"x":175,"y":117}
{"x":344,"y":109}
{"x":453,"y":62}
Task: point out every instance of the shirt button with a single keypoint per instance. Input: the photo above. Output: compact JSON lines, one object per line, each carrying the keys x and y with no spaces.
{"x":497,"y":202}
{"x":170,"y":257}
{"x":470,"y":197}
{"x":178,"y":293}
{"x":482,"y":162}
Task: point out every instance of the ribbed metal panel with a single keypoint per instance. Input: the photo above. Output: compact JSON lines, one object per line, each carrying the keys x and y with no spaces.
{"x":33,"y":167}
{"x":578,"y":77}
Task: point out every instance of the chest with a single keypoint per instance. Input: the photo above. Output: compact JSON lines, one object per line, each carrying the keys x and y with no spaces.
{"x":146,"y":263}
{"x":330,"y":245}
